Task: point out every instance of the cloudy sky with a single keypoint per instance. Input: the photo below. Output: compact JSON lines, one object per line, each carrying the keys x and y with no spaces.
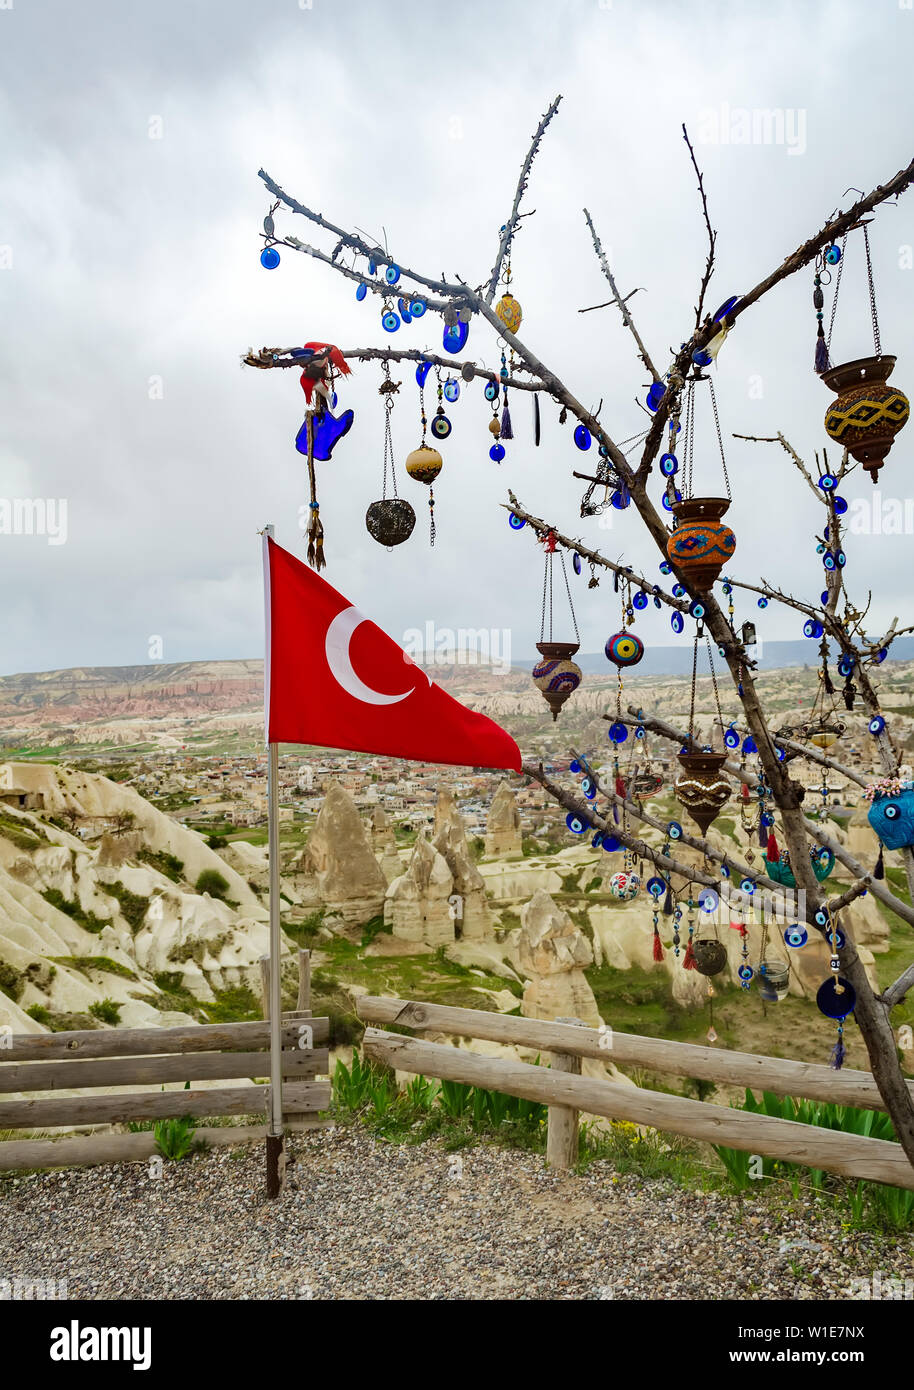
{"x":130,"y":286}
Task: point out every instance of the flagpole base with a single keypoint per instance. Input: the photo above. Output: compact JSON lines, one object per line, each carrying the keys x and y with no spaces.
{"x":276,"y":1165}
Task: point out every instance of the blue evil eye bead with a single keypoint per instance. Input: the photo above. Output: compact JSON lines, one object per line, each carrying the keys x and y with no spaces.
{"x":726,"y":308}
{"x":840,"y":559}
{"x":655,"y":395}
{"x":666,"y":567}
{"x":696,"y":609}
{"x":455,"y":337}
{"x":678,"y":591}
{"x":611,"y":844}
{"x":828,"y":482}
{"x":746,"y":885}
{"x":702,"y":358}
{"x":441,"y":427}
{"x":576,"y":563}
{"x":821,"y":918}
{"x":877,"y":724}
{"x":840,"y":504}
{"x":372,"y":266}
{"x":725,"y":870}
{"x":731,"y":738}
{"x":491,"y":391}
{"x":828,"y":560}
{"x":392,"y":274}
{"x":667,"y":504}
{"x":497,"y":453}
{"x":517,"y":523}
{"x":674,"y":830}
{"x":390,"y":321}
{"x":669,"y":464}
{"x":640,"y":600}
{"x":839,"y":939}
{"x":796,"y":936}
{"x":657,"y":603}
{"x":451,"y":389}
{"x":749,"y":745}
{"x":881,"y":655}
{"x":618,"y":732}
{"x":269,"y":258}
{"x":640,"y":732}
{"x":767,"y":818}
{"x":403,"y":307}
{"x":708,"y":900}
{"x":846,"y":665}
{"x":812,"y":628}
{"x":574,"y":766}
{"x":835,"y":1005}
{"x":656,"y":887}
{"x":361,"y":292}
{"x":832,"y":254}
{"x":417,"y":307}
{"x":597,"y":841}
{"x":891,"y":811}
{"x":576,"y":824}
{"x":727,"y":587}
{"x":621,"y":499}
{"x":677,"y":622}
{"x":588,"y":787}
{"x":745,"y":972}
{"x":422,"y":372}
{"x":763,"y":602}
{"x":582,"y":437}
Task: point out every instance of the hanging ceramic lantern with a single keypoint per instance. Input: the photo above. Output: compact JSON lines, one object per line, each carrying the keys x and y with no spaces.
{"x":700,"y":788}
{"x":556,"y":676}
{"x":867,"y":413}
{"x":701,"y":544}
{"x":625,"y":886}
{"x":891,"y":812}
{"x":509,"y":311}
{"x":710,"y":955}
{"x":424,"y":464}
{"x":390,"y":521}
{"x":624,"y":649}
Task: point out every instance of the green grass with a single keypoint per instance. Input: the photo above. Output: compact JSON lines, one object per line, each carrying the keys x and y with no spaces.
{"x":133,"y":905}
{"x":106,"y":1011}
{"x":23,"y":836}
{"x":111,"y":967}
{"x":168,"y":864}
{"x":236,"y":1005}
{"x":87,"y":920}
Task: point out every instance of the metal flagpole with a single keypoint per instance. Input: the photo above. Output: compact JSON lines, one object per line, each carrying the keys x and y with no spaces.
{"x":274,"y":1145}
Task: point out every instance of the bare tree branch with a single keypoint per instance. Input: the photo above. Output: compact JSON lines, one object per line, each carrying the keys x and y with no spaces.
{"x":617,"y":299}
{"x":507,"y":232}
{"x":712,"y":235}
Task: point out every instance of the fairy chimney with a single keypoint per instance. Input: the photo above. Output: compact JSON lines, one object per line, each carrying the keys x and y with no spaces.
{"x":418,"y":907}
{"x":473,"y":920}
{"x":384,"y":844}
{"x":339,"y":857}
{"x":553,"y":953}
{"x":503,"y":836}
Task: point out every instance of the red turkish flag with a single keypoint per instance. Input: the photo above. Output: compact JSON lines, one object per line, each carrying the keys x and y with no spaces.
{"x":334,"y":679}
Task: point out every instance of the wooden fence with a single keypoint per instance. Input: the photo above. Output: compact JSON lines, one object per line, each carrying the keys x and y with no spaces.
{"x":566,"y":1092}
{"x":79,"y":1061}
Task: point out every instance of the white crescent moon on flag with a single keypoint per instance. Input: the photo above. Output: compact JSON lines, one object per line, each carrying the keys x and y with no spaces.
{"x":336,"y":646}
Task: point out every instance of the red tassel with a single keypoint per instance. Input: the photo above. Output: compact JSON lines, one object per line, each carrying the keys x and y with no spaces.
{"x":688,"y":960}
{"x":772,"y":853}
{"x":620,"y":786}
{"x":658,"y":946}
{"x":744,"y":792}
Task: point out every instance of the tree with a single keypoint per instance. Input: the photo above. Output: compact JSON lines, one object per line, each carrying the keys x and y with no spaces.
{"x":122,"y":822}
{"x":777,"y":750}
{"x":212,"y":882}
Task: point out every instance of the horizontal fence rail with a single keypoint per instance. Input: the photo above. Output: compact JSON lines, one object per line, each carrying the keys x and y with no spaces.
{"x":780,"y":1075}
{"x":151,"y":1042}
{"x":849,"y":1155}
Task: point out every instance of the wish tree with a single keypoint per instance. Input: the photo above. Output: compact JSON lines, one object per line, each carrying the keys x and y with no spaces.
{"x":748,"y":760}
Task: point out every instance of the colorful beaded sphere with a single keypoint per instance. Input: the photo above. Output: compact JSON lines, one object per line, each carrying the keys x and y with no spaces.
{"x":625,"y":886}
{"x":624,"y":649}
{"x":424,"y":464}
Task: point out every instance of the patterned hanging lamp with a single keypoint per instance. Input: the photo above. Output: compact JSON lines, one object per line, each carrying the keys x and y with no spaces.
{"x":700,"y":787}
{"x":556,"y":676}
{"x":700,"y":544}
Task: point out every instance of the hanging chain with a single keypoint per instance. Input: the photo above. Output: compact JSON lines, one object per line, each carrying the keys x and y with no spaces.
{"x":869,"y":276}
{"x":546,"y":574}
{"x":720,"y":439}
{"x":387,"y":390}
{"x":834,"y":303}
{"x":568,"y":592}
{"x":689,"y":443}
{"x":692,"y":704}
{"x":720,"y":717}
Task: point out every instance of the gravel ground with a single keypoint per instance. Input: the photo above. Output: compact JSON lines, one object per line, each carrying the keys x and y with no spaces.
{"x":362,"y":1219}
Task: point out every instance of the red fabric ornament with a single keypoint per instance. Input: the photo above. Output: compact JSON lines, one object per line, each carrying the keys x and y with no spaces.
{"x":620,"y":786}
{"x":337,"y":359}
{"x":688,"y":962}
{"x":772,"y":853}
{"x":658,"y":946}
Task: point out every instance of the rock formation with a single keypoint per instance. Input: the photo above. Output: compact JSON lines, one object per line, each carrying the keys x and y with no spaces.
{"x":339,"y":857}
{"x":384,"y":844}
{"x":417,"y":907}
{"x":503,"y":836}
{"x":474,"y":919}
{"x":553,"y":953}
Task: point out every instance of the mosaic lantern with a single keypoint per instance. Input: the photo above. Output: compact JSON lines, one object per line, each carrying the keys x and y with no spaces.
{"x":710,"y":955}
{"x":509,"y":311}
{"x":390,"y":521}
{"x":701,"y":544}
{"x":867,"y":413}
{"x":700,"y":788}
{"x":891,"y":813}
{"x":556,"y":676}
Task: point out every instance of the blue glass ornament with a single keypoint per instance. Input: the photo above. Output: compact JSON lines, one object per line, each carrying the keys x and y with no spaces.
{"x":361,"y":292}
{"x":674,"y":830}
{"x":618,"y":732}
{"x":796,"y":936}
{"x":422,"y":372}
{"x":824,"y":597}
{"x":828,"y":482}
{"x":669,"y":464}
{"x":835,"y":1005}
{"x":846,"y":666}
{"x":573,"y":766}
{"x":763,"y":602}
{"x":655,"y":395}
{"x":832,"y":254}
{"x":576,"y":563}
{"x":812,"y":628}
{"x":725,"y":870}
{"x":372,"y":265}
{"x":702,"y":358}
{"x":678,"y":591}
{"x":708,"y":900}
{"x":403,"y":307}
{"x":589,"y":788}
{"x":455,"y":337}
{"x":326,"y":431}
{"x":677,"y":622}
{"x":749,"y":745}
{"x":611,"y":844}
{"x":656,"y":887}
{"x":440,"y":426}
{"x":392,"y":274}
{"x":491,"y":391}
{"x":451,"y":389}
{"x":696,"y":609}
{"x":839,"y":938}
{"x":667,"y":504}
{"x":640,"y":600}
{"x":269,"y":258}
{"x":657,"y":603}
{"x":497,"y":453}
{"x":821,"y":917}
{"x":726,"y":308}
{"x":747,"y":885}
{"x":597,"y":840}
{"x":516,"y":523}
{"x":881,"y":655}
{"x":582,"y":437}
{"x":621,"y":499}
{"x":640,"y":732}
{"x":745,"y":972}
{"x":828,"y":560}
{"x":840,"y":504}
{"x":840,"y":559}
{"x":731,"y":738}
{"x":576,"y":824}
{"x":390,"y":321}
{"x":666,"y":567}
{"x":417,"y":307}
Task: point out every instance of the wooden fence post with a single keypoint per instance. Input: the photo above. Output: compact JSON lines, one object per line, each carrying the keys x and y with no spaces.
{"x":562,"y":1128}
{"x":265,"y":985}
{"x":303,"y":1003}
